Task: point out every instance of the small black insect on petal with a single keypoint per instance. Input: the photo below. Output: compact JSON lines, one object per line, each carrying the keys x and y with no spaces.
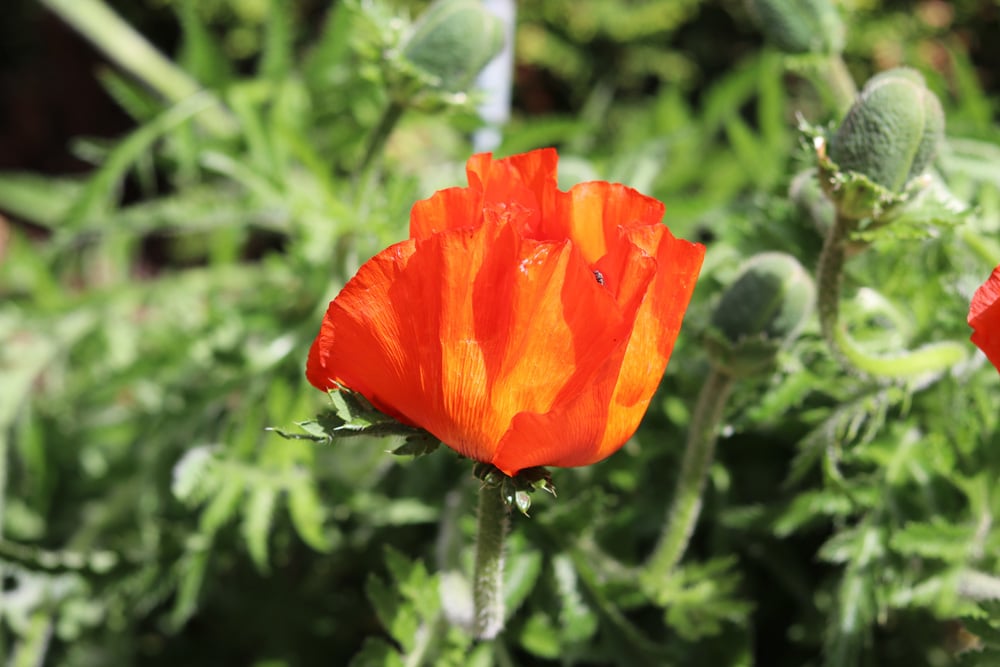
{"x":600,"y":277}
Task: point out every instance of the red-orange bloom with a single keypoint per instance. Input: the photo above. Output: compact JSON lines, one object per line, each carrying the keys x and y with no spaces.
{"x":984,"y":317}
{"x":522,"y":325}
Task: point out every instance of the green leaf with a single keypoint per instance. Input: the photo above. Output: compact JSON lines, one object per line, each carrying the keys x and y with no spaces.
{"x":192,"y":567}
{"x":936,"y":538}
{"x":376,"y":652}
{"x":390,"y":608}
{"x":200,"y":52}
{"x":308,"y":515}
{"x":276,"y":59}
{"x":96,"y":197}
{"x":224,"y":505}
{"x":418,"y":444}
{"x":701,"y":599}
{"x":191,"y":473}
{"x":43,"y":200}
{"x":540,"y":636}
{"x":258,"y":515}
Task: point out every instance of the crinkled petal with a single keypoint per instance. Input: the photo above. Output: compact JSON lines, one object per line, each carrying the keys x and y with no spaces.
{"x":592,"y":213}
{"x":518,"y":190}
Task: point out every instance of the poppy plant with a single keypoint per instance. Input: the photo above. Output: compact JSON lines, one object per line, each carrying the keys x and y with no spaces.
{"x":521,"y":325}
{"x":984,"y":318}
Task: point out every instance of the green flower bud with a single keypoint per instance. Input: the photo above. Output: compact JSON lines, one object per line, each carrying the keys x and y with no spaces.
{"x":892,"y":132}
{"x":452,"y":41}
{"x":801,"y":26}
{"x":762,"y":311}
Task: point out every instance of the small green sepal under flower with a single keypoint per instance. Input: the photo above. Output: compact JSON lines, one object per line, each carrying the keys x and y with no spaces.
{"x":515,"y":490}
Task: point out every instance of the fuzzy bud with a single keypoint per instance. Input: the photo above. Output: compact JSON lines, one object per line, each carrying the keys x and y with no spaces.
{"x":801,"y":26}
{"x":762,"y":311}
{"x":452,"y":41}
{"x":892,"y":132}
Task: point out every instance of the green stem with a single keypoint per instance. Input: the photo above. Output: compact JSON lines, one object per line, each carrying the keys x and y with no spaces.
{"x":699,"y":453}
{"x":134,"y":54}
{"x":839,"y":83}
{"x":378,"y":137}
{"x":487,"y":585}
{"x":935,"y":357}
{"x":829,"y":275}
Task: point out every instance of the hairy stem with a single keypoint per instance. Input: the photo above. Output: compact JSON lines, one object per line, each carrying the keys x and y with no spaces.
{"x":935,"y":357}
{"x":376,"y":140}
{"x":829,"y":276}
{"x":979,"y":585}
{"x":487,"y":585}
{"x":699,"y":453}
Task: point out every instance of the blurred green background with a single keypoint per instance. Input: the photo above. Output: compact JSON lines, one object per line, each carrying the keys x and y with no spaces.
{"x":165,"y":260}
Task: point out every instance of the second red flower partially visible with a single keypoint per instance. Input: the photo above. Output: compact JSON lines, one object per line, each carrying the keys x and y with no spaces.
{"x":521,"y":325}
{"x":984,"y":318}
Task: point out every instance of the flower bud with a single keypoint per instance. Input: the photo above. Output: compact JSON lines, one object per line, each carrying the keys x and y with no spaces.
{"x":892,"y":132}
{"x":762,"y":311}
{"x":801,"y":26}
{"x":452,"y":41}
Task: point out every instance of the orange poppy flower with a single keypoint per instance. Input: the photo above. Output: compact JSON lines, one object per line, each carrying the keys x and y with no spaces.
{"x":521,"y":325}
{"x":984,"y":318}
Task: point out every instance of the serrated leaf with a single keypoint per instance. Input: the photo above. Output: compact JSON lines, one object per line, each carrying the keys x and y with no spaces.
{"x":934,"y":539}
{"x":413,"y":581}
{"x":192,"y":574}
{"x":189,"y":474}
{"x":701,"y":599}
{"x":224,"y":505}
{"x":258,"y":515}
{"x":811,"y":507}
{"x":540,"y":636}
{"x":398,"y":615}
{"x":860,"y":544}
{"x":418,"y":444}
{"x":308,"y":514}
{"x":383,"y":599}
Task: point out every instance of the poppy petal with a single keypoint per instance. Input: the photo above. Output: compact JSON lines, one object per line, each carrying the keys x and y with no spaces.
{"x":595,"y":423}
{"x":984,"y":318}
{"x":591,"y":214}
{"x":460,"y":331}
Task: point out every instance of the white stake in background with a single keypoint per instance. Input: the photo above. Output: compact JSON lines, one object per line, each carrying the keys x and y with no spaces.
{"x":496,"y":81}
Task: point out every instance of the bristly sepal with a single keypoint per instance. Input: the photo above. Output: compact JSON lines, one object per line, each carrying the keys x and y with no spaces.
{"x":515,"y":490}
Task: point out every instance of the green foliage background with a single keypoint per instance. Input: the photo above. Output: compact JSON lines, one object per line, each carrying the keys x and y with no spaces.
{"x":147,"y":341}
